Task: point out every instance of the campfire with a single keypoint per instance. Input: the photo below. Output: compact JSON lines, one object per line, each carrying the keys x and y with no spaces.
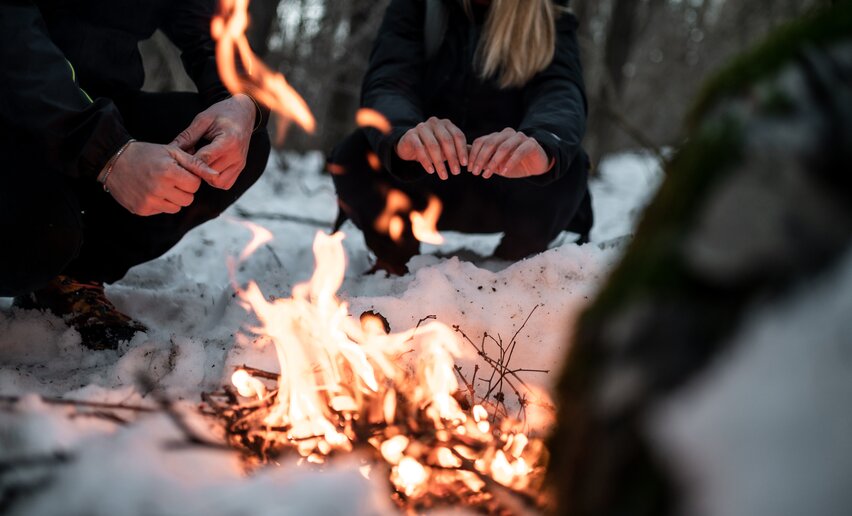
{"x":348,"y":384}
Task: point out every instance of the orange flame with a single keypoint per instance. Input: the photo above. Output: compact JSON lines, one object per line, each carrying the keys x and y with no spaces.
{"x":271,"y":89}
{"x":389,"y":221}
{"x":323,"y":352}
{"x":374,"y":161}
{"x":424,"y":224}
{"x":259,"y":236}
{"x":366,"y":117}
{"x":337,"y":371}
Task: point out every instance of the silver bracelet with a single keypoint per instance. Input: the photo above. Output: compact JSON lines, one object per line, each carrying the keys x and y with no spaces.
{"x":102,"y":179}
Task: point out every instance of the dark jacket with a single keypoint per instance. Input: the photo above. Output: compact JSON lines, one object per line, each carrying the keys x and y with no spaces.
{"x":407,"y":89}
{"x":62,"y":61}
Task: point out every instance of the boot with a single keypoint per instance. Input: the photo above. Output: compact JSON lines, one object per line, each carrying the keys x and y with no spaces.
{"x":85,"y":307}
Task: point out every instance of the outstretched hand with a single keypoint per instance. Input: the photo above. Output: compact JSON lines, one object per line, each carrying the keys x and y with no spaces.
{"x":150,"y":179}
{"x":228,"y":125}
{"x":509,"y":154}
{"x":432,"y":143}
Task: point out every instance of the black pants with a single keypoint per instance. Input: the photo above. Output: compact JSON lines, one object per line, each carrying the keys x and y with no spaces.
{"x":530,"y":215}
{"x":51,"y":224}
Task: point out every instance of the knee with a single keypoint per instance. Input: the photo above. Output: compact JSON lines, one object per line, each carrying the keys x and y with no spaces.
{"x":351,"y":153}
{"x":37,"y":256}
{"x":350,"y":168}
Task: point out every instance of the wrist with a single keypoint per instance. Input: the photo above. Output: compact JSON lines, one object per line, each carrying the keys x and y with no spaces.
{"x":106,"y":172}
{"x":253,"y":106}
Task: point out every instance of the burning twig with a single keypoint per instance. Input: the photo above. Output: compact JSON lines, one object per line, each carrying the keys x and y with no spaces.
{"x":259,"y":373}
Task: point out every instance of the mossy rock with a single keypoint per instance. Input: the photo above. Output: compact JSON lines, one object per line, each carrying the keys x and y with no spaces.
{"x":758,"y":199}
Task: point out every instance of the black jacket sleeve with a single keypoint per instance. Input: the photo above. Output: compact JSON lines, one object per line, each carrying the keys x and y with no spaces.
{"x":556,"y":105}
{"x":393,"y":82}
{"x":187,"y":24}
{"x":40,"y":100}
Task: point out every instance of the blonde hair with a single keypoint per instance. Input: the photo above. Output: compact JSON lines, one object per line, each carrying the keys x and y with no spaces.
{"x":518,"y":40}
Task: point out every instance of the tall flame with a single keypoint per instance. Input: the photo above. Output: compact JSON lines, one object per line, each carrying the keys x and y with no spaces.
{"x":325,"y":354}
{"x":271,"y":89}
{"x":342,"y":382}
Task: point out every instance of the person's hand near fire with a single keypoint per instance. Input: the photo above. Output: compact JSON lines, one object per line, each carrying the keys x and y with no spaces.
{"x":228,"y":125}
{"x":149,"y":179}
{"x":508,"y":153}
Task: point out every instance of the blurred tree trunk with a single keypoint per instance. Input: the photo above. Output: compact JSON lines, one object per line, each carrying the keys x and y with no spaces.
{"x":605,"y":112}
{"x":346,"y":89}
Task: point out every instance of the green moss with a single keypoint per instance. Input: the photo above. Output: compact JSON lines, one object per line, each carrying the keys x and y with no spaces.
{"x":653,"y":261}
{"x":780,"y":48}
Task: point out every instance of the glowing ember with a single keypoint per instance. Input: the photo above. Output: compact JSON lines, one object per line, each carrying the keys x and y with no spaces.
{"x":409,"y":475}
{"x":344,"y":386}
{"x":393,"y":448}
{"x":247,"y":385}
{"x":271,"y":89}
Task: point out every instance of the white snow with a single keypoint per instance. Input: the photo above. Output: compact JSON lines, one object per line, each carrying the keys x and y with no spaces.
{"x":187,"y":301}
{"x":768,"y":430}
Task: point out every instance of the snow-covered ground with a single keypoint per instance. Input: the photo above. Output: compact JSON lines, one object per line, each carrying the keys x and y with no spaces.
{"x":65,"y":460}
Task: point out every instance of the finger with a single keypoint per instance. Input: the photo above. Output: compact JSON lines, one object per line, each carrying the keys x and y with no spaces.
{"x":460,"y":142}
{"x":194,"y":165}
{"x":179,"y":197}
{"x":186,"y":181}
{"x":503,"y":152}
{"x":422,"y":155}
{"x":215,"y":151}
{"x":487,"y":150}
{"x":228,"y":177}
{"x":190,"y":136}
{"x":473,"y":154}
{"x":158,"y":205}
{"x":448,"y":148}
{"x":433,"y":149}
{"x":226,"y":166}
{"x":515,"y":162}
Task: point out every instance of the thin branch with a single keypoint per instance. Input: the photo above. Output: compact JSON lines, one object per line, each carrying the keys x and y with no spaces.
{"x":275,"y":255}
{"x":259,"y":373}
{"x":82,"y":403}
{"x":171,"y":410}
{"x":308,"y":221}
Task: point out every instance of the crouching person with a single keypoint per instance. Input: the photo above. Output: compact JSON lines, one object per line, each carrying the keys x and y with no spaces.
{"x":487,"y":111}
{"x":97,"y":176}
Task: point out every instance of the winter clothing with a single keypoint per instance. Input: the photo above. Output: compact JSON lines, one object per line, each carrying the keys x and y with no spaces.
{"x":408,"y":89}
{"x":70,"y":75}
